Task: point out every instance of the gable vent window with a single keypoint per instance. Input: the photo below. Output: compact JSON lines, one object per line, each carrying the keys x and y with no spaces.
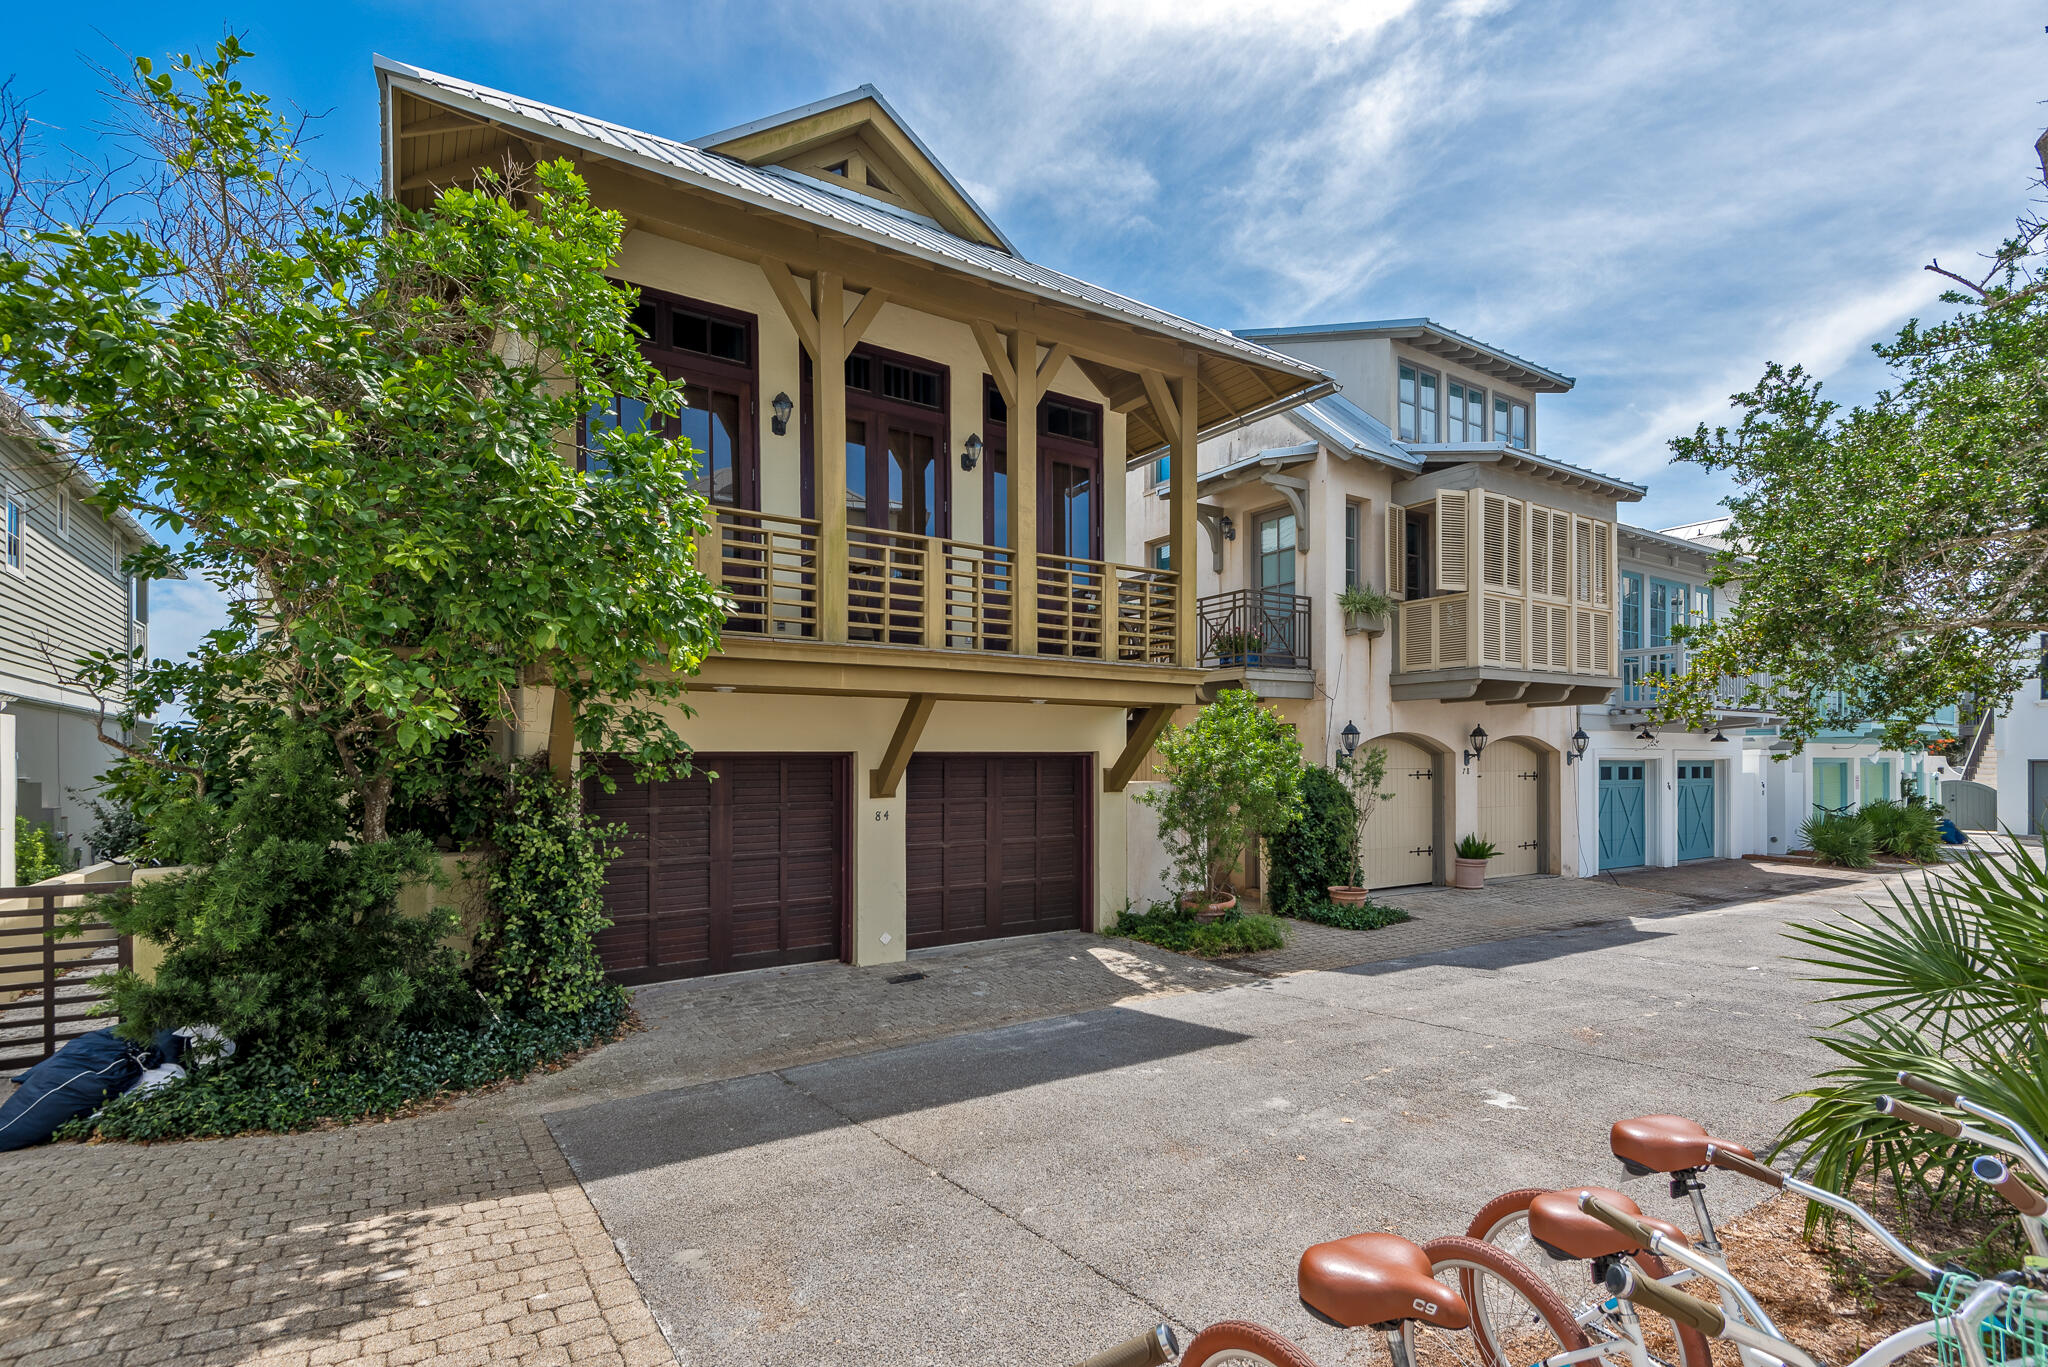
{"x":906,"y":385}
{"x":836,"y":169}
{"x":875,"y":183}
{"x":1064,"y":421}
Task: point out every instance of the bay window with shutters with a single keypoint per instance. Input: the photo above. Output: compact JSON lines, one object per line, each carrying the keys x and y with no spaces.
{"x":1489,"y":580}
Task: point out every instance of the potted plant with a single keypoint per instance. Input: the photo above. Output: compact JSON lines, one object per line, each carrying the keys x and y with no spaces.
{"x":1468,"y":870}
{"x":1240,"y":647}
{"x":1364,"y":772}
{"x":1364,"y":609}
{"x":1231,"y":774}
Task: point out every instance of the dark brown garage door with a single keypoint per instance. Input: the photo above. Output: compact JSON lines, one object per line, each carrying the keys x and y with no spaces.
{"x":745,"y":871}
{"x":998,"y":845}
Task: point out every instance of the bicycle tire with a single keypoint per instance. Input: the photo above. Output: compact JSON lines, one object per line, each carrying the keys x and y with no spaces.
{"x":1512,"y":1207}
{"x":1240,"y":1343}
{"x":1457,"y":1248}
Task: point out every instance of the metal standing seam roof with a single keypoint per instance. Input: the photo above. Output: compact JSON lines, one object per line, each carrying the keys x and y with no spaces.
{"x":1396,"y":327}
{"x":1342,"y":424}
{"x":796,"y":197}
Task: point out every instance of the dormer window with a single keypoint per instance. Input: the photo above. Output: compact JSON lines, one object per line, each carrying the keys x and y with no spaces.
{"x":1418,"y":404}
{"x":1511,"y":422}
{"x":1464,"y":412}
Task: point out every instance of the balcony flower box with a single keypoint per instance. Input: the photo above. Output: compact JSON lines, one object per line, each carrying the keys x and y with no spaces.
{"x":1365,"y":610}
{"x":1240,"y":648}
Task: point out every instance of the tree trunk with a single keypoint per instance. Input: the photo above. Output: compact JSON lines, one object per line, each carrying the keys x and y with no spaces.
{"x":376,"y":805}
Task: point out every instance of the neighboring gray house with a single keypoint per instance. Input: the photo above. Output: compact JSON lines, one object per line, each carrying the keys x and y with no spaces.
{"x":62,"y":594}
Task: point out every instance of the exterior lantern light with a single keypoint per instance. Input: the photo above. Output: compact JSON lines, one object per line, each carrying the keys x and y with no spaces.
{"x":1646,"y":734}
{"x":1225,"y":525}
{"x":1719,"y":737}
{"x":782,"y":408}
{"x":970,"y":451}
{"x":1478,"y":739}
{"x":1350,"y":737}
{"x":1580,"y":740}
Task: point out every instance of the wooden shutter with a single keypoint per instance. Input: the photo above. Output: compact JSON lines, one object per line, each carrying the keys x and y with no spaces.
{"x":1539,"y":549}
{"x":1493,"y":545}
{"x":1582,"y":559}
{"x":1603,"y":564}
{"x":1452,"y":542}
{"x":1560,"y":554}
{"x":1513,"y":538}
{"x":1397,"y":552}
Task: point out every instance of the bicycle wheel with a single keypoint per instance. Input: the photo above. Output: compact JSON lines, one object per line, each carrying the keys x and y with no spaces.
{"x":1240,"y":1343}
{"x":1516,"y":1319}
{"x":1503,"y":1223}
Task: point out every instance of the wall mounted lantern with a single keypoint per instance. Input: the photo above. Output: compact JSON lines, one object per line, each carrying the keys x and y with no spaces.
{"x":1350,"y":738}
{"x":1647,"y":734}
{"x":782,"y":408}
{"x":1227,"y":527}
{"x":1580,"y":740}
{"x":1478,"y":739}
{"x":970,"y":451}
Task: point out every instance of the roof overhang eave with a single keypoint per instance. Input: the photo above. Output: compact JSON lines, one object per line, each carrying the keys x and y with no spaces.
{"x":1244,"y":419}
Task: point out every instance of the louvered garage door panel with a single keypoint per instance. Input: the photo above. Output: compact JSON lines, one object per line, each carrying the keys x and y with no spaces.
{"x":1511,"y":807}
{"x":997,"y":845}
{"x":746,"y":871}
{"x":1399,"y":844}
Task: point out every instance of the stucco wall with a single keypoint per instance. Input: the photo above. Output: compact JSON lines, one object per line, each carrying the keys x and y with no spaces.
{"x":2020,"y":737}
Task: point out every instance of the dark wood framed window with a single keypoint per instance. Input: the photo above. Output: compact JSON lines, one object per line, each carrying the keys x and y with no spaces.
{"x":1069,"y":474}
{"x":713,"y":351}
{"x":897,"y":418}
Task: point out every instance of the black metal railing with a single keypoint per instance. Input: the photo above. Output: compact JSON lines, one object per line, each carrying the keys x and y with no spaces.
{"x":49,"y":986}
{"x":1253,"y":628}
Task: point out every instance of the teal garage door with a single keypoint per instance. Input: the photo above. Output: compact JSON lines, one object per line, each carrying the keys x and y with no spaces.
{"x":1695,"y":811}
{"x":1621,"y":814}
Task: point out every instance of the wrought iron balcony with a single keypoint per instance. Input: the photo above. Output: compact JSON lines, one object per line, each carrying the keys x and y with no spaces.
{"x":1253,"y":629}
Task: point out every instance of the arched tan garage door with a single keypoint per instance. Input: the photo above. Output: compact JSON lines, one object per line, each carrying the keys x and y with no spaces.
{"x":1399,"y":848}
{"x":1511,"y":807}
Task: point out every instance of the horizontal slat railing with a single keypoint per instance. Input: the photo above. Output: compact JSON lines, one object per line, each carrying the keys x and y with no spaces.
{"x":1072,"y":593}
{"x":1147,"y":616}
{"x":48,"y":986}
{"x":976,"y":604}
{"x":768,"y":565}
{"x":886,"y":581}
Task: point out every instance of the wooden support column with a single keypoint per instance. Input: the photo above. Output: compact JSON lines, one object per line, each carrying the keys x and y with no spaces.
{"x":821,"y":323}
{"x":882,"y":780}
{"x":1177,"y":409}
{"x":1144,"y":735}
{"x":1023,"y":458}
{"x":562,"y":736}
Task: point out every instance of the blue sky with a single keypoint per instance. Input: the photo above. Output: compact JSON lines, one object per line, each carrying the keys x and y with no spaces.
{"x":1653,"y":198}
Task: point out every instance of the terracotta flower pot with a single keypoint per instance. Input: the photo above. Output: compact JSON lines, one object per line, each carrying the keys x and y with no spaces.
{"x":1346,"y":896}
{"x":1207,"y":911}
{"x":1468,"y":873}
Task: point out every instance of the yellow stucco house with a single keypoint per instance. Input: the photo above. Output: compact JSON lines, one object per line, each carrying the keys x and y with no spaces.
{"x":943,"y":662}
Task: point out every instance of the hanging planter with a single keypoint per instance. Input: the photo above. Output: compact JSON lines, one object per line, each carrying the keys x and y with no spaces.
{"x":1365,"y":610}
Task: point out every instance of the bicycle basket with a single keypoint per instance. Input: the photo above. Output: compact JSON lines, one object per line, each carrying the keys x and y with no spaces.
{"x":2016,"y":1336}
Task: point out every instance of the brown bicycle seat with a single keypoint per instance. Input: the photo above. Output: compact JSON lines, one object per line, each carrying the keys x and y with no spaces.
{"x":1665,"y":1143}
{"x":1370,"y":1279}
{"x":1555,"y":1221}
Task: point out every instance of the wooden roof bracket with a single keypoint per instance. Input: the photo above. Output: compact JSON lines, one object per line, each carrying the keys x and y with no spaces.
{"x":1144,"y":733}
{"x":884,"y":778}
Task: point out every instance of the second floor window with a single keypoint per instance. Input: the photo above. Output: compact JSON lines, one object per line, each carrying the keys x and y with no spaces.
{"x":621,"y":412}
{"x":1352,"y":521}
{"x":13,"y":535}
{"x":1158,"y":472}
{"x":1464,"y":412}
{"x":1159,"y":554}
{"x":1418,"y":404}
{"x":1511,"y":422}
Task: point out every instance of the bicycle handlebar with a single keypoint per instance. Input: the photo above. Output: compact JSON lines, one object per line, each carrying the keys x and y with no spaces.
{"x":1993,"y":1172}
{"x":1625,"y":1225}
{"x":1146,"y":1350}
{"x":1913,"y":1082}
{"x":1748,"y":1167}
{"x":1676,"y":1306}
{"x":1913,"y":1115}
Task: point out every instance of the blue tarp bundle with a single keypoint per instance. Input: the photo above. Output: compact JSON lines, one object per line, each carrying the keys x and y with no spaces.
{"x":76,"y":1080}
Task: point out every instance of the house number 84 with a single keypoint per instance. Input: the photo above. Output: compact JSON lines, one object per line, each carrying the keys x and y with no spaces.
{"x":881,"y":814}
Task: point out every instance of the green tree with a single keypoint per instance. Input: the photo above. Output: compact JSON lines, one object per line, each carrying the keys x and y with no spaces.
{"x":357,"y":419}
{"x":1233,"y":773}
{"x":1893,"y":558}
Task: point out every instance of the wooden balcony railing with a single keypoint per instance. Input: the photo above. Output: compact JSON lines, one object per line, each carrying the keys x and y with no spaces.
{"x":1456,"y":630}
{"x":1253,"y":627}
{"x":939,"y":594}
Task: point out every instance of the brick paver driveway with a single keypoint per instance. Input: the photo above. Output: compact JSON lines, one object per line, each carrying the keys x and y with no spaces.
{"x":1046,"y":1143}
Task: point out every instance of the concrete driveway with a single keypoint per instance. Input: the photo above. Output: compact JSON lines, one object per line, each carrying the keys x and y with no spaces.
{"x":1035,"y":1191}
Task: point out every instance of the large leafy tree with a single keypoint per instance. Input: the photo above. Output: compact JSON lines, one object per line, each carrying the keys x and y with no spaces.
{"x":1892,"y":558}
{"x":356,"y":419}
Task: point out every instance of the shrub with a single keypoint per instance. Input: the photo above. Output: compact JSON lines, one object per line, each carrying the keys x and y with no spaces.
{"x":1950,"y":982}
{"x":1233,"y":774}
{"x":1174,"y":928}
{"x":37,"y":855}
{"x":262,"y":1093}
{"x":1314,"y":852}
{"x":290,"y":940}
{"x":1839,"y":838}
{"x":1367,"y":601}
{"x":537,"y":949}
{"x":1904,"y":830}
{"x":1364,"y":916}
{"x":1472,"y":847}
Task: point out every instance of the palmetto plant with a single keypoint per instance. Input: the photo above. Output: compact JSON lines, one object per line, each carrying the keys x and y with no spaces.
{"x":1949,"y":981}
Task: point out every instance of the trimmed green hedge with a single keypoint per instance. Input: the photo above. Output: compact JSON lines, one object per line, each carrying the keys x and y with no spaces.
{"x":1313,"y":852}
{"x":1366,"y":916}
{"x":239,"y":1096}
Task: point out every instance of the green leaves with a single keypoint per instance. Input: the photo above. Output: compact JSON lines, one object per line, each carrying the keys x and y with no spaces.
{"x":1895,"y":554}
{"x":1233,"y":774}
